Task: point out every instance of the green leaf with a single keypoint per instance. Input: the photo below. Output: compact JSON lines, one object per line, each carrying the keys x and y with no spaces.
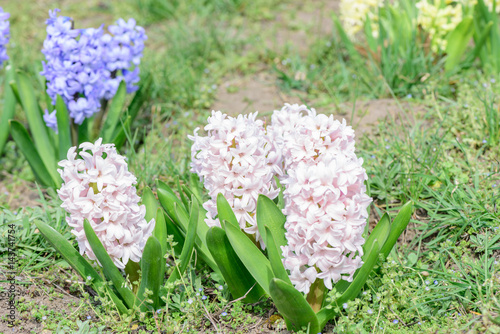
{"x":293,"y":306}
{"x":188,"y":246}
{"x":152,"y":275}
{"x":114,"y":112}
{"x":398,"y":226}
{"x":160,"y":232}
{"x":251,"y":256}
{"x":108,"y":267}
{"x":275,"y":256}
{"x":37,"y":126}
{"x":83,"y":131}
{"x":379,"y":234}
{"x":237,"y":277}
{"x":23,"y":141}
{"x":354,"y":288}
{"x":225,"y":212}
{"x":120,"y":134}
{"x":77,"y":262}
{"x":149,"y":200}
{"x":63,"y":128}
{"x":169,"y":202}
{"x":270,"y":216}
{"x":142,"y":95}
{"x":174,"y":231}
{"x":9,"y":107}
{"x":457,"y":42}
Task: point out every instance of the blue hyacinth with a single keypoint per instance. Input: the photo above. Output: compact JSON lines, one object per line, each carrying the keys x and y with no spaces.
{"x":123,"y":55}
{"x":85,"y":66}
{"x":4,"y":35}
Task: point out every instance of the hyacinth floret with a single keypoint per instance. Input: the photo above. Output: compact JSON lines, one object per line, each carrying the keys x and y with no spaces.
{"x":98,"y":187}
{"x":124,"y":46}
{"x":73,"y":68}
{"x":4,"y":35}
{"x":325,"y":200}
{"x":234,"y":159}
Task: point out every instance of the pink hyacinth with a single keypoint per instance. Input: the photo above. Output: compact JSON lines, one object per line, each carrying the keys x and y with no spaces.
{"x":325,"y":200}
{"x":233,"y":159}
{"x":100,"y":188}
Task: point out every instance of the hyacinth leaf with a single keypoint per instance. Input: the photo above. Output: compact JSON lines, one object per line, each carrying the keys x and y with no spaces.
{"x":225,"y":212}
{"x":275,"y":256}
{"x":174,"y":231}
{"x":83,"y":131}
{"x":25,"y":144}
{"x":292,"y":305}
{"x":150,"y":202}
{"x":237,"y":277}
{"x":114,"y":112}
{"x":187,"y":248}
{"x":108,"y":267}
{"x":77,"y":262}
{"x":38,"y":128}
{"x":9,"y":107}
{"x":160,"y":231}
{"x":63,"y":128}
{"x":120,"y":134}
{"x":269,"y":215}
{"x":169,"y":202}
{"x":328,"y":312}
{"x":380,"y":233}
{"x":181,"y":193}
{"x":141,"y":96}
{"x":250,"y":255}
{"x":457,"y":42}
{"x":281,"y":199}
{"x":152,"y":275}
{"x":398,"y":226}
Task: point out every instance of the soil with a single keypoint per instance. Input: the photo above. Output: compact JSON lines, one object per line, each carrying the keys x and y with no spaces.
{"x":33,"y":291}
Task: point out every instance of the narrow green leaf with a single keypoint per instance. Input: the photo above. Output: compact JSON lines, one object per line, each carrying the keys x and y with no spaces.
{"x":141,"y":96}
{"x":63,"y":128}
{"x":237,"y":277}
{"x":38,"y":128}
{"x":293,"y":306}
{"x":457,"y":42}
{"x":23,"y":141}
{"x":398,"y":226}
{"x":169,"y":202}
{"x":114,"y":112}
{"x":149,"y":200}
{"x":187,"y":249}
{"x":184,"y":199}
{"x":174,"y":231}
{"x":108,"y":267}
{"x":225,"y":212}
{"x":9,"y":107}
{"x":275,"y":256}
{"x":160,"y":232}
{"x":251,"y":256}
{"x":152,"y":275}
{"x":77,"y":262}
{"x":354,"y":288}
{"x":83,"y":131}
{"x":120,"y":134}
{"x":269,"y":215}
{"x":380,"y":233}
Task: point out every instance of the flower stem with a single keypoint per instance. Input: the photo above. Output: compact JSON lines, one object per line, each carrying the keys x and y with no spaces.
{"x":316,"y":295}
{"x":98,"y":119}
{"x":132,"y":270}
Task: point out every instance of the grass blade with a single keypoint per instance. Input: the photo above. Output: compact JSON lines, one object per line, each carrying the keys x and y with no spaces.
{"x":114,"y":112}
